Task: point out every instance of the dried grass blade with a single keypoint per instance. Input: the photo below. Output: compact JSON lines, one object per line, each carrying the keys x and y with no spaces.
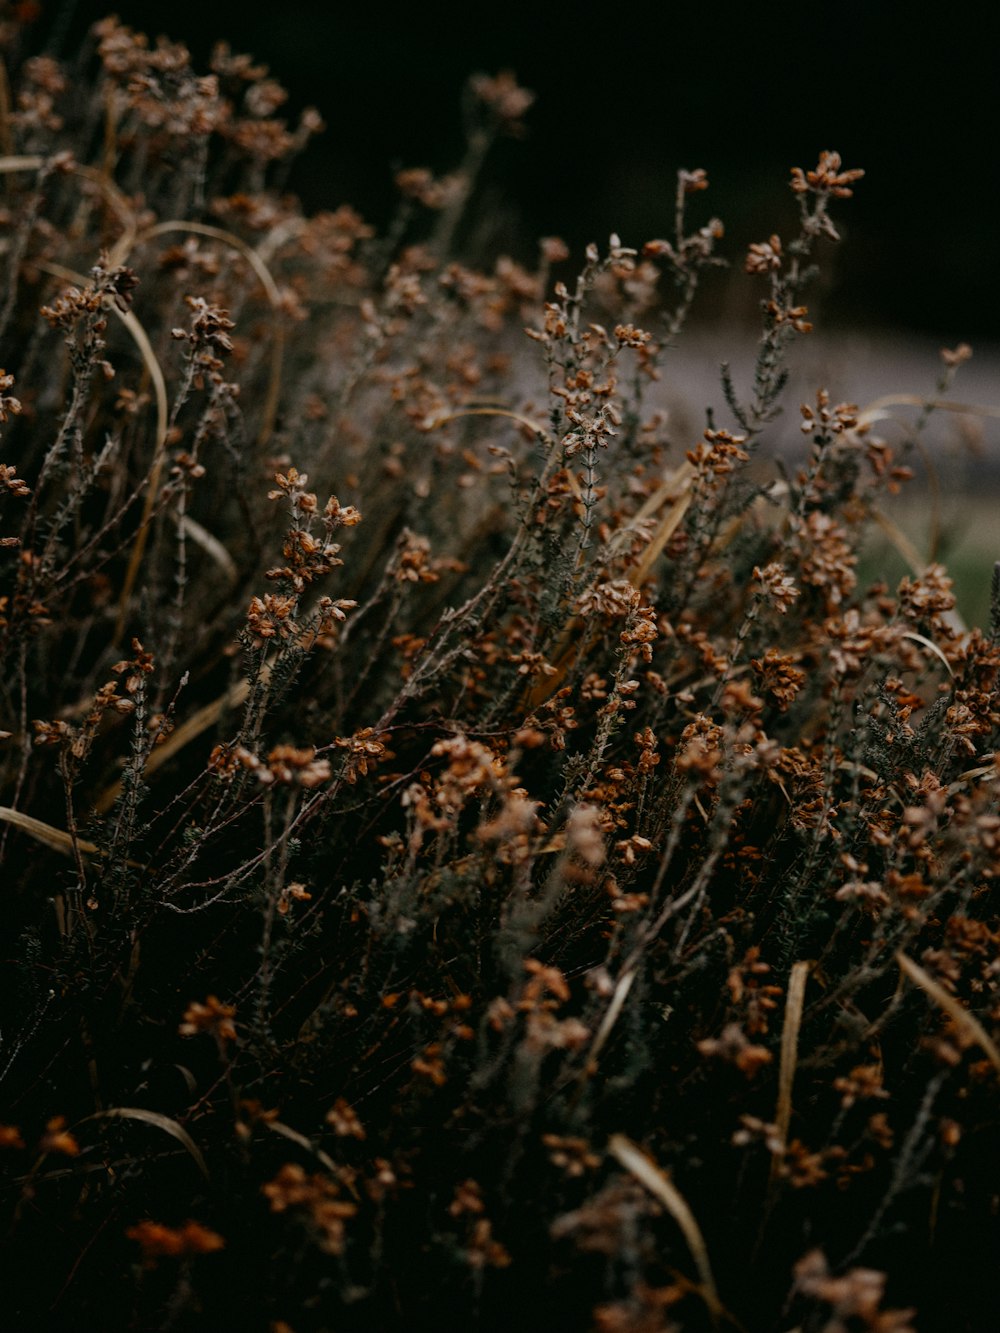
{"x":567,"y":650}
{"x":228,"y":238}
{"x":990,"y":772}
{"x":293,"y":1136}
{"x":679,"y":479}
{"x":6,"y":139}
{"x":141,"y":340}
{"x":163,"y":1122}
{"x":794,"y":1002}
{"x":968,"y":1024}
{"x":669,"y":524}
{"x":611,"y":1016}
{"x":875,"y":411}
{"x":112,"y":195}
{"x":527,"y":422}
{"x":263,"y":274}
{"x":153,"y":369}
{"x":47,"y":834}
{"x":203,"y":538}
{"x":662,"y":1188}
{"x":899,"y":541}
{"x":10,"y":163}
{"x":931,"y":646}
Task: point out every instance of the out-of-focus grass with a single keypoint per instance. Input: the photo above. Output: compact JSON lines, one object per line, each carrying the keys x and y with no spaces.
{"x":968,"y":543}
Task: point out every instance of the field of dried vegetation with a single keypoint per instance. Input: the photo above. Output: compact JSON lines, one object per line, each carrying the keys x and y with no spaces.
{"x":498,"y":826}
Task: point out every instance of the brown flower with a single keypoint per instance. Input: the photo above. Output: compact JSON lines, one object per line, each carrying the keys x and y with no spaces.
{"x":734,"y":1047}
{"x":364,"y":749}
{"x":58,"y":1139}
{"x":213,"y":1017}
{"x":827,"y":178}
{"x":764,"y":256}
{"x":162,"y":1242}
{"x":343,"y":1120}
{"x":10,"y":1137}
{"x":777,"y":586}
{"x":315,"y":1200}
{"x":572,"y":1155}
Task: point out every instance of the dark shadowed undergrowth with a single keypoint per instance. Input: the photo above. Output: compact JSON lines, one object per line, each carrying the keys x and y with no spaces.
{"x":472,"y":858}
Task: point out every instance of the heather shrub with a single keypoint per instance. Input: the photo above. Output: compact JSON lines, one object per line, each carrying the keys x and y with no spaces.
{"x":469,"y":853}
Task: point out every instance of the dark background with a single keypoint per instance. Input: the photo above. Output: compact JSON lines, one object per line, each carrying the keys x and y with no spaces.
{"x":627,"y":94}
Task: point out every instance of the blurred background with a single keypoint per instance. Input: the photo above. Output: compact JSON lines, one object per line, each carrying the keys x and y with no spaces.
{"x":626,"y":95}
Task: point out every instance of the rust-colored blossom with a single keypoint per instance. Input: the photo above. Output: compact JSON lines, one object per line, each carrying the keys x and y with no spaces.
{"x":213,"y":1018}
{"x":764,"y":256}
{"x":826,"y":178}
{"x":364,"y":749}
{"x":734,"y":1047}
{"x":344,"y":1121}
{"x":777,"y":586}
{"x":58,"y":1139}
{"x":315,"y":1201}
{"x":157,"y":1241}
{"x":10,"y":1137}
